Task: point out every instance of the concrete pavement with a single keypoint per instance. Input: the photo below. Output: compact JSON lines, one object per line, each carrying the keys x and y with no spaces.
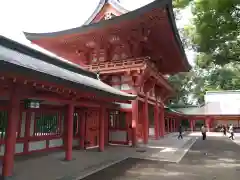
{"x":217,"y":158}
{"x":49,"y":166}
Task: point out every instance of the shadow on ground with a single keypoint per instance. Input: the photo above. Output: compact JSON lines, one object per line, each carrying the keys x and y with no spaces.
{"x":216,"y":158}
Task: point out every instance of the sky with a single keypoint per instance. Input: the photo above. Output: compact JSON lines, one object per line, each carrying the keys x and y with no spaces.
{"x":54,"y":15}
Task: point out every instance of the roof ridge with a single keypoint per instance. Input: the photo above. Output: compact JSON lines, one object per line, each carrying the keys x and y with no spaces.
{"x":99,"y":7}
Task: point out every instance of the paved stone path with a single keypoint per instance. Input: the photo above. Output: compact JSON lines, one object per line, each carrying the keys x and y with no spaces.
{"x":217,"y":158}
{"x":49,"y":166}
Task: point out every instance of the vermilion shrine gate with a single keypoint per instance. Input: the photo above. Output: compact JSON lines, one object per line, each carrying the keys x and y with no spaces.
{"x":49,"y":103}
{"x":133,"y":52}
{"x":46,"y":104}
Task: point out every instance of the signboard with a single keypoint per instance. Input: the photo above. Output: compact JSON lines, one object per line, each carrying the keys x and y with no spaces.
{"x":33,"y":104}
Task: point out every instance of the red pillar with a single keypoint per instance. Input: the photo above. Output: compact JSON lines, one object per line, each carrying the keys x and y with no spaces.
{"x":170,"y":124}
{"x":68,"y":152}
{"x":27,"y":131}
{"x":134,"y":122}
{"x":162,"y":122}
{"x":106,"y":129}
{"x":101,"y":129}
{"x":82,"y":131}
{"x":208,"y":123}
{"x":156,"y":121}
{"x":174,"y":125}
{"x":191,"y":124}
{"x":13,"y":119}
{"x":145,"y":121}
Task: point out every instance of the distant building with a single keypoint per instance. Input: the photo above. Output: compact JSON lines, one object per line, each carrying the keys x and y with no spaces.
{"x":220,"y":108}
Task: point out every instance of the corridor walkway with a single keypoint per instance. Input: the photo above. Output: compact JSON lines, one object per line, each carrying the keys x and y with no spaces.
{"x":217,"y":158}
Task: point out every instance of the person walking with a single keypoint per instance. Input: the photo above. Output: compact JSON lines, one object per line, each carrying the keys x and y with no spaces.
{"x":231,"y":132}
{"x":224,"y":130}
{"x":204,"y":132}
{"x":180,"y":130}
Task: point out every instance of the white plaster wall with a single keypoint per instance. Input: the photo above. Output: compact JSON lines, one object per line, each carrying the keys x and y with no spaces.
{"x":125,"y":105}
{"x":126,"y":87}
{"x":151,"y":132}
{"x":117,"y":87}
{"x":116,"y":79}
{"x":37,"y":145}
{"x":55,"y":142}
{"x":126,"y":78}
{"x":118,"y":136}
{"x":19,"y":147}
{"x":23,"y":124}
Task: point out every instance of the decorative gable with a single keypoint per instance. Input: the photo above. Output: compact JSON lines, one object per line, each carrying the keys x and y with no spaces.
{"x":108,"y":15}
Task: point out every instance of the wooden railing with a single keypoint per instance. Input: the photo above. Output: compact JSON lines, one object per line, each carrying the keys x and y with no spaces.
{"x":117,"y":65}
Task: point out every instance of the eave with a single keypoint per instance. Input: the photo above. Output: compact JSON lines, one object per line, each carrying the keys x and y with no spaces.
{"x":114,"y":22}
{"x":22,"y":64}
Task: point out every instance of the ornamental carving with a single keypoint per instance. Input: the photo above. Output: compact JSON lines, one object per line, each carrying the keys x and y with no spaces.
{"x":108,"y":16}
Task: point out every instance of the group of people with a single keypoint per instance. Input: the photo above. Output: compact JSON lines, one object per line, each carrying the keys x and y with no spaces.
{"x":204,"y":131}
{"x":230,"y":130}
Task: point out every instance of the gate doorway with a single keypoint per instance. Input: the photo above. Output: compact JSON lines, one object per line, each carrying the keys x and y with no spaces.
{"x":118,"y":127}
{"x":91,"y":128}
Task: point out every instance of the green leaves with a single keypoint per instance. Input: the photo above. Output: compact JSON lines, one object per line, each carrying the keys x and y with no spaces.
{"x":216,"y":31}
{"x":181,"y":3}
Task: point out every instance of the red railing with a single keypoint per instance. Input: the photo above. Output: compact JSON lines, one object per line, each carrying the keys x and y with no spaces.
{"x":117,"y":65}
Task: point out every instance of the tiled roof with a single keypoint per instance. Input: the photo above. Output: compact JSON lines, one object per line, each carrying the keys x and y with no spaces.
{"x":12,"y":60}
{"x":212,"y":108}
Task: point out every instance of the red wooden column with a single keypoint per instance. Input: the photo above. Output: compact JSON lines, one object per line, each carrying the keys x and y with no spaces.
{"x":101,"y":128}
{"x":208,"y":123}
{"x":174,"y":125}
{"x":191,"y":124}
{"x":162,"y":122}
{"x":145,"y":121}
{"x":13,"y":119}
{"x":170,"y":124}
{"x":134,"y":122}
{"x":82,"y":129}
{"x":69,"y":138}
{"x":168,"y":129}
{"x":27,"y":131}
{"x":106,"y":128}
{"x":156,"y":121}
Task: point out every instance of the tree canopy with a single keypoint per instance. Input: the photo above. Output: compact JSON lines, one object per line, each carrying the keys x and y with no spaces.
{"x":214,"y":34}
{"x":191,"y":87}
{"x":215,"y":31}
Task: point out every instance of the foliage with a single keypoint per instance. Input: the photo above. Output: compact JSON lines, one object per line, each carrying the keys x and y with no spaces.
{"x":215,"y":31}
{"x":214,"y":34}
{"x":180,"y":4}
{"x":191,"y":86}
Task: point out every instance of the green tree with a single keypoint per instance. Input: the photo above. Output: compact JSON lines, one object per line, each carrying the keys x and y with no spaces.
{"x":215,"y":31}
{"x":192,"y":86}
{"x":215,"y":35}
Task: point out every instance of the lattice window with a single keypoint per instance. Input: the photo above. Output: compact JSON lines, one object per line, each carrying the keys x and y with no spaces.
{"x":3,"y":123}
{"x":75,"y":124}
{"x":47,"y":124}
{"x":117,"y":120}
